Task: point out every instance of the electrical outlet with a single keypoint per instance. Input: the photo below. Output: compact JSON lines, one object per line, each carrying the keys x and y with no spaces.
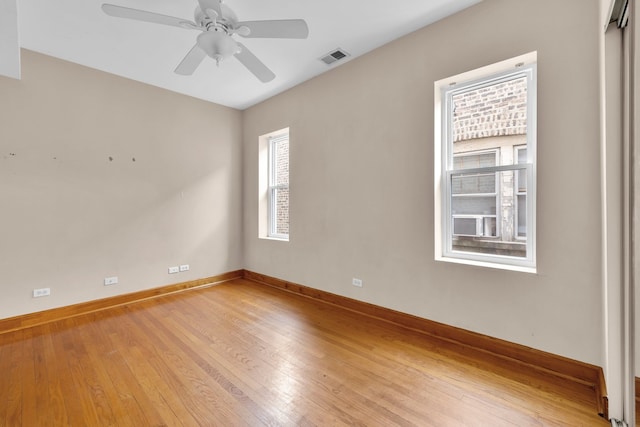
{"x":184,"y":267}
{"x":173,"y":270}
{"x":356,"y":282}
{"x":110,"y":280}
{"x":43,"y":292}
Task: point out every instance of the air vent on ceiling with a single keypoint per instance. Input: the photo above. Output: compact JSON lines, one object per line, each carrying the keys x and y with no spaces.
{"x":334,"y":56}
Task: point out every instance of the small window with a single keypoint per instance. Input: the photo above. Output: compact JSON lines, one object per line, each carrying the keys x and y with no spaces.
{"x":485,"y":166}
{"x":279,"y":186}
{"x":273,"y":185}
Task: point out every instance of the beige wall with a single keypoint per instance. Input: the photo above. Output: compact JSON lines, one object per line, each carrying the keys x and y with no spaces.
{"x":71,"y":217}
{"x":362,"y":179}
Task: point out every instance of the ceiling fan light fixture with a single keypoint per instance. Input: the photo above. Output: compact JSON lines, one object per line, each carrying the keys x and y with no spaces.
{"x":217,"y":45}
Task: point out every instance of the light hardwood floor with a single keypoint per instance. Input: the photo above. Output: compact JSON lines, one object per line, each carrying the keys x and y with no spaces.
{"x":245,"y":354}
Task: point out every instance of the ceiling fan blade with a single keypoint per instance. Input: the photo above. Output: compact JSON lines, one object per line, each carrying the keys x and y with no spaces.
{"x":214,"y":5}
{"x":190,"y":62}
{"x":254,"y":65}
{"x":277,"y":29}
{"x":143,"y":15}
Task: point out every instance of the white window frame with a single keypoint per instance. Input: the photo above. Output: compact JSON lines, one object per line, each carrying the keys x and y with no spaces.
{"x":524,"y":65}
{"x":274,"y":188}
{"x":266,"y":211}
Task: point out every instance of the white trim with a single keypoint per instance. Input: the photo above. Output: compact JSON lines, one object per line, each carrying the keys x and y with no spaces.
{"x":276,"y":238}
{"x":485,"y":264}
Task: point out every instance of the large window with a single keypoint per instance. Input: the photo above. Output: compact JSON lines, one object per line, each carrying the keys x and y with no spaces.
{"x":485,"y":165}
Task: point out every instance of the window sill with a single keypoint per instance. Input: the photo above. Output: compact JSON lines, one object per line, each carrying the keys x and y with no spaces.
{"x":277,"y":239}
{"x":487,"y":264}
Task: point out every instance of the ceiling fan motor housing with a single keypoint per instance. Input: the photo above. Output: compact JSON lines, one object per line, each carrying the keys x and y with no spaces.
{"x":207,"y":21}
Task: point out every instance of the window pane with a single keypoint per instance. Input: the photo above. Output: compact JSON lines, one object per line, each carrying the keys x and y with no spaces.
{"x":281,"y":162}
{"x":522,"y":216}
{"x":495,"y":110}
{"x":470,"y":161}
{"x":522,"y":173}
{"x":522,"y":155}
{"x":522,"y":181}
{"x":473,"y":184}
{"x":470,"y":205}
{"x":281,"y":223}
{"x":488,"y":223}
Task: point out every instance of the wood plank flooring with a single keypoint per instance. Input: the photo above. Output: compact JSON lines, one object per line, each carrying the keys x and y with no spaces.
{"x":244,"y":354}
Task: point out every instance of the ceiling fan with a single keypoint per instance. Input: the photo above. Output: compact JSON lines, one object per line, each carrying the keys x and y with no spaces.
{"x":219,"y":24}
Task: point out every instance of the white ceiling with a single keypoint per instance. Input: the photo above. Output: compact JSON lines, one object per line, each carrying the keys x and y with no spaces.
{"x":78,"y":31}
